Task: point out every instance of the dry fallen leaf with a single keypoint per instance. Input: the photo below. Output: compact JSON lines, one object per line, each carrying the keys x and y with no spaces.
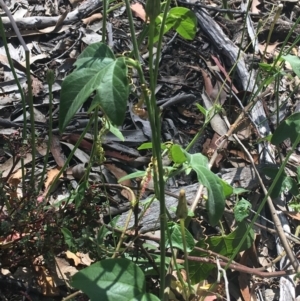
{"x":14,"y":180}
{"x":17,"y":65}
{"x":57,"y":152}
{"x":293,"y":215}
{"x":79,"y":258}
{"x":84,"y":258}
{"x":254,"y":5}
{"x":8,"y":164}
{"x":139,"y":11}
{"x":64,"y":270}
{"x":73,"y":256}
{"x":92,"y":18}
{"x":271,"y":49}
{"x":37,"y":86}
{"x":119,"y":173}
{"x":46,"y":282}
{"x":51,"y":174}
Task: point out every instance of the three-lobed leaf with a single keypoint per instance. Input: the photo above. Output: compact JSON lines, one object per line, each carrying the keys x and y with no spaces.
{"x":224,"y":245}
{"x":289,"y":128}
{"x":184,"y":22}
{"x":181,"y":19}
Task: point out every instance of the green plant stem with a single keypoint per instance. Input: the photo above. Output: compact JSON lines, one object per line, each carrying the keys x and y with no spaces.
{"x":132,"y":32}
{"x":154,"y":118}
{"x":275,"y":63}
{"x":228,"y":15}
{"x":104,"y":20}
{"x":94,"y":148}
{"x":186,"y":265}
{"x":160,"y":40}
{"x":49,"y":138}
{"x":133,"y":204}
{"x":274,"y":183}
{"x":158,"y":173}
{"x":115,"y":6}
{"x":277,"y":15}
{"x":196,"y":137}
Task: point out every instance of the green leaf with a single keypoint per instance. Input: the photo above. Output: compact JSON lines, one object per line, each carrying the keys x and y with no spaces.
{"x":227,"y":188}
{"x":177,"y":154}
{"x":197,"y":160}
{"x":80,"y":193}
{"x":265,"y":66}
{"x":112,"y":279}
{"x":294,"y":62}
{"x":298,"y":174}
{"x":271,"y":173}
{"x":112,"y":91}
{"x":284,"y":182}
{"x":114,"y":130}
{"x":289,"y":184}
{"x":137,"y":174}
{"x":111,"y":86}
{"x":95,"y":56}
{"x":239,"y":190}
{"x":102,"y":233}
{"x":149,"y":145}
{"x":147,"y":297}
{"x":176,"y":238}
{"x":289,"y":128}
{"x":223,"y":245}
{"x":202,"y":110}
{"x":182,"y":19}
{"x":242,"y":210}
{"x":185,"y":22}
{"x":168,"y":25}
{"x":215,"y":204}
{"x":68,"y":237}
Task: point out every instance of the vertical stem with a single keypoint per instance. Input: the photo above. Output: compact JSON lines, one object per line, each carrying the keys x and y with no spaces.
{"x":31,"y":111}
{"x":154,"y":118}
{"x":104,"y":21}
